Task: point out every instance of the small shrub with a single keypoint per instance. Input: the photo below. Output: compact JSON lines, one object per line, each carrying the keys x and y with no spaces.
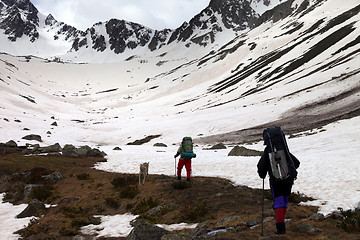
{"x":124,"y":181}
{"x":68,"y":230}
{"x":193,"y":214}
{"x":112,"y":202}
{"x":83,"y":176}
{"x":79,"y":222}
{"x":129,"y":206}
{"x":32,"y":228}
{"x":42,"y":193}
{"x":73,"y":212}
{"x":351,"y":221}
{"x":14,"y":193}
{"x":73,"y":228}
{"x":99,"y":208}
{"x":129,"y":192}
{"x":145,"y":205}
{"x":299,"y":197}
{"x":35,"y":175}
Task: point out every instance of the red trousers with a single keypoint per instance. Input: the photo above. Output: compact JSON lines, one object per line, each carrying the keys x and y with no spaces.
{"x":280,"y":214}
{"x":187,"y":164}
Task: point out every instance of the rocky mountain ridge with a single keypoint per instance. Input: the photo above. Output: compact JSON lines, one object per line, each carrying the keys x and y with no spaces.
{"x":225,"y":18}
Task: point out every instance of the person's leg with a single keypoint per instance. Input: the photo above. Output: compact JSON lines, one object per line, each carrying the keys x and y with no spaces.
{"x":188,"y":169}
{"x":281,"y":194}
{"x":179,"y":168}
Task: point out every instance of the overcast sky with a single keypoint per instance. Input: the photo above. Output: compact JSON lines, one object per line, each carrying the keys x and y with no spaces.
{"x":156,"y":14}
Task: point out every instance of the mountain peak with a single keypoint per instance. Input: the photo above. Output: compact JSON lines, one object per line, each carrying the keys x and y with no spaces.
{"x":20,"y":17}
{"x":50,"y":20}
{"x":225,"y":18}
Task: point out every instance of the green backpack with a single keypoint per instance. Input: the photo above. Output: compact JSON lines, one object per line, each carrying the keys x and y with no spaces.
{"x":187,"y":148}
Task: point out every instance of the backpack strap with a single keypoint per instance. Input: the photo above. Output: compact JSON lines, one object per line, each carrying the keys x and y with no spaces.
{"x":291,"y":162}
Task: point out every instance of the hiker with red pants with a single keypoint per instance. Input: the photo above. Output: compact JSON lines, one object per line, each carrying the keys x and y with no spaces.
{"x":186,"y":154}
{"x":281,"y":166}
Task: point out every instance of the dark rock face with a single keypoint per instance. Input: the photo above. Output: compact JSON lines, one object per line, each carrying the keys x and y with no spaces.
{"x":201,"y":30}
{"x":143,"y":230}
{"x":14,"y":25}
{"x":124,"y":35}
{"x":34,"y":137}
{"x":50,"y":20}
{"x":236,"y":15}
{"x":159,"y":39}
{"x":20,"y":18}
{"x":32,"y":209}
{"x":277,"y":13}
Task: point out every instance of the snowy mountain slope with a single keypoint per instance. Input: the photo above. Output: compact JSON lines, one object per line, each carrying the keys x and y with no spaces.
{"x":302,"y":67}
{"x":215,"y":25}
{"x":25,"y":31}
{"x":28,"y":32}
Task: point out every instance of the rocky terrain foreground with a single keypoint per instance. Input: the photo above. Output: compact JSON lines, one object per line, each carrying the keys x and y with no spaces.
{"x":78,"y":192}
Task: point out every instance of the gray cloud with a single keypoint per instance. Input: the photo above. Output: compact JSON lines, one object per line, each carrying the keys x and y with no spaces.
{"x":156,"y":14}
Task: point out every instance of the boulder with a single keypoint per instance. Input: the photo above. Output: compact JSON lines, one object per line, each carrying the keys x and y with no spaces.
{"x":69,"y":151}
{"x":242,"y":151}
{"x":317,"y":216}
{"x":33,"y":137}
{"x":251,"y":223}
{"x":117,"y":149}
{"x":29,"y":189}
{"x":11,"y":144}
{"x":51,"y":149}
{"x":357,"y":209}
{"x":84,"y":151}
{"x":95,"y":153}
{"x":218,"y":146}
{"x":307,"y":228}
{"x":335,"y":215}
{"x":143,"y":230}
{"x":34,"y":147}
{"x":34,"y":207}
{"x":53,"y":177}
{"x":227,"y":220}
{"x":160,"y":145}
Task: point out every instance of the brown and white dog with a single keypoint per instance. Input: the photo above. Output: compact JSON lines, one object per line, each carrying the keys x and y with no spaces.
{"x":144,"y":172}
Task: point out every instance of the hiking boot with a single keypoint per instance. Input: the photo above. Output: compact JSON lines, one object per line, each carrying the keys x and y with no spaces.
{"x":178,"y":178}
{"x":280,"y":228}
{"x":188,"y":179}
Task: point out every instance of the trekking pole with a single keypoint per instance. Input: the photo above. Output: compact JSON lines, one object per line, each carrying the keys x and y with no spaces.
{"x":175,"y":167}
{"x":262,"y":210}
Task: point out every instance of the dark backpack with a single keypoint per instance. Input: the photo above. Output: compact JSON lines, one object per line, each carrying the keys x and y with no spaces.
{"x":282,"y":165}
{"x":187,"y":149}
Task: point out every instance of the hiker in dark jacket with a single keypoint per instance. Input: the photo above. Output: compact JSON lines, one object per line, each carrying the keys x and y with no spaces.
{"x":281,"y":189}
